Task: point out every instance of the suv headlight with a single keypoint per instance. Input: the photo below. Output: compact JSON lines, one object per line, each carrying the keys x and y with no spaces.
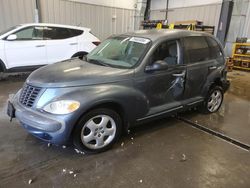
{"x":62,"y":107}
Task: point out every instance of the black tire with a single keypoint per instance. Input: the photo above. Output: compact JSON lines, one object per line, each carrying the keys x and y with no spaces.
{"x":2,"y":67}
{"x":82,"y":129}
{"x":204,"y":108}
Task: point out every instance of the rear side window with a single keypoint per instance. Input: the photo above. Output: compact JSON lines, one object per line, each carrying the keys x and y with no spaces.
{"x":75,"y":32}
{"x":215,"y":50}
{"x":196,"y":49}
{"x":57,"y":33}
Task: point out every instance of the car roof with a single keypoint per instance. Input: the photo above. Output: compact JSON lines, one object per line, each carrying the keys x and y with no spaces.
{"x":55,"y":25}
{"x":157,"y":34}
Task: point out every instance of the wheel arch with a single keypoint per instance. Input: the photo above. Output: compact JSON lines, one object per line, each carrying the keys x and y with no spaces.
{"x":210,"y":84}
{"x":113,"y":105}
{"x":79,"y":54}
{"x":216,"y":82}
{"x":2,"y":66}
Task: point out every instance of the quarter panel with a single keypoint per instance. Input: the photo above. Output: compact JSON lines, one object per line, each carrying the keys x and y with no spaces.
{"x":61,"y":49}
{"x":2,"y":54}
{"x":85,"y":42}
{"x":216,"y":75}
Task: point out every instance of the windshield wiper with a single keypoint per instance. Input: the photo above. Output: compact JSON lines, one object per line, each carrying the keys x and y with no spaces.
{"x":99,"y":62}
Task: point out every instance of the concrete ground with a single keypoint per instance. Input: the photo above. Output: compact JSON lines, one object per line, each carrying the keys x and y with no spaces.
{"x":165,"y":153}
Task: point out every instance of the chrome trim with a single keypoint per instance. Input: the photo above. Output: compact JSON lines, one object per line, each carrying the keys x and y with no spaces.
{"x":189,"y":104}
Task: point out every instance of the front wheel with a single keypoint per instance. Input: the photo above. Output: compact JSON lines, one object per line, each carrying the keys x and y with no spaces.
{"x":214,"y":100}
{"x":97,"y":130}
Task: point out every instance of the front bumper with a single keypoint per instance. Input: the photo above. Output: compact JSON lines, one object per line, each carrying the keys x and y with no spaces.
{"x":51,"y":128}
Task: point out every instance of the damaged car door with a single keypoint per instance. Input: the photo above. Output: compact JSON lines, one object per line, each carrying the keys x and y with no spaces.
{"x":164,"y":82}
{"x":197,"y":58}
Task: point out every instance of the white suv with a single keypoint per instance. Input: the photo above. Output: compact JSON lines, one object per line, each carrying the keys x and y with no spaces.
{"x":33,"y":45}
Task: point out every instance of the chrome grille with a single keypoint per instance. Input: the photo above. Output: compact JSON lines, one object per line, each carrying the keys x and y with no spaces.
{"x":29,"y":95}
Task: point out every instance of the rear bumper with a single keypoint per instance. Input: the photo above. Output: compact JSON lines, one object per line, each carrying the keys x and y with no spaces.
{"x":50,"y":128}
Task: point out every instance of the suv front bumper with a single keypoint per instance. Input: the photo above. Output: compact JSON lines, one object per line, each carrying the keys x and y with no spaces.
{"x":50,"y":128}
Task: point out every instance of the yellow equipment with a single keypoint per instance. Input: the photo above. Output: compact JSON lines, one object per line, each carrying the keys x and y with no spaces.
{"x":241,"y":56}
{"x":159,"y":26}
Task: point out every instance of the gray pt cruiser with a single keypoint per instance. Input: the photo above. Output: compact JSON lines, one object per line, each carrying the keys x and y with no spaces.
{"x":127,"y":80}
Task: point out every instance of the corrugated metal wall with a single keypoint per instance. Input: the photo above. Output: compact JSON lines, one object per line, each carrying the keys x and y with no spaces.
{"x":13,"y":12}
{"x":209,"y":14}
{"x":102,"y":20}
{"x":239,"y":25}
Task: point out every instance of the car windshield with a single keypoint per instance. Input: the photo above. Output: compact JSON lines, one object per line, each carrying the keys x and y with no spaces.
{"x":121,"y":52}
{"x":9,"y":29}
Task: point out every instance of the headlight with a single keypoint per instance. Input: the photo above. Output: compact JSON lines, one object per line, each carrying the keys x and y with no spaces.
{"x":62,"y":107}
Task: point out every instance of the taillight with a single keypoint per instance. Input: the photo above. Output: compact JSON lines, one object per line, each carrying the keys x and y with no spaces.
{"x":96,"y":43}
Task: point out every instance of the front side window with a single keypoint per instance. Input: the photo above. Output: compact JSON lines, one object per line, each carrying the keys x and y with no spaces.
{"x":75,"y":32}
{"x":30,"y":33}
{"x":196,"y":49}
{"x":167,"y":51}
{"x":56,"y":33}
{"x":121,"y":51}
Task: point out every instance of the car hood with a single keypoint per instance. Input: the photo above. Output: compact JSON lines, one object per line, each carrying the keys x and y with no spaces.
{"x":76,"y":72}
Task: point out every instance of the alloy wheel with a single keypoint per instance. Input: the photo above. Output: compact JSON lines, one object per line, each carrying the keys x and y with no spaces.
{"x":214,"y":101}
{"x":98,"y":132}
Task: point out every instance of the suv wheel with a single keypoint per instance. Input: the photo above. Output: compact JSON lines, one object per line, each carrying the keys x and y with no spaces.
{"x":97,"y":130}
{"x":214,"y":100}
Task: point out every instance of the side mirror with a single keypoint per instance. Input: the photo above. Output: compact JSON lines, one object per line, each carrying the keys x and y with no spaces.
{"x":157,"y":66}
{"x":12,"y":37}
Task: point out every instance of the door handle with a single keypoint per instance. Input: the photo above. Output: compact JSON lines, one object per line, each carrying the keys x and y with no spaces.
{"x":179,"y":74}
{"x":39,"y":46}
{"x":212,"y":67}
{"x":73,"y":43}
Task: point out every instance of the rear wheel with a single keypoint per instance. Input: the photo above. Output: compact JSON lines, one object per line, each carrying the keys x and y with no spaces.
{"x":97,"y":130}
{"x":213,"y":101}
{"x":2,"y":67}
